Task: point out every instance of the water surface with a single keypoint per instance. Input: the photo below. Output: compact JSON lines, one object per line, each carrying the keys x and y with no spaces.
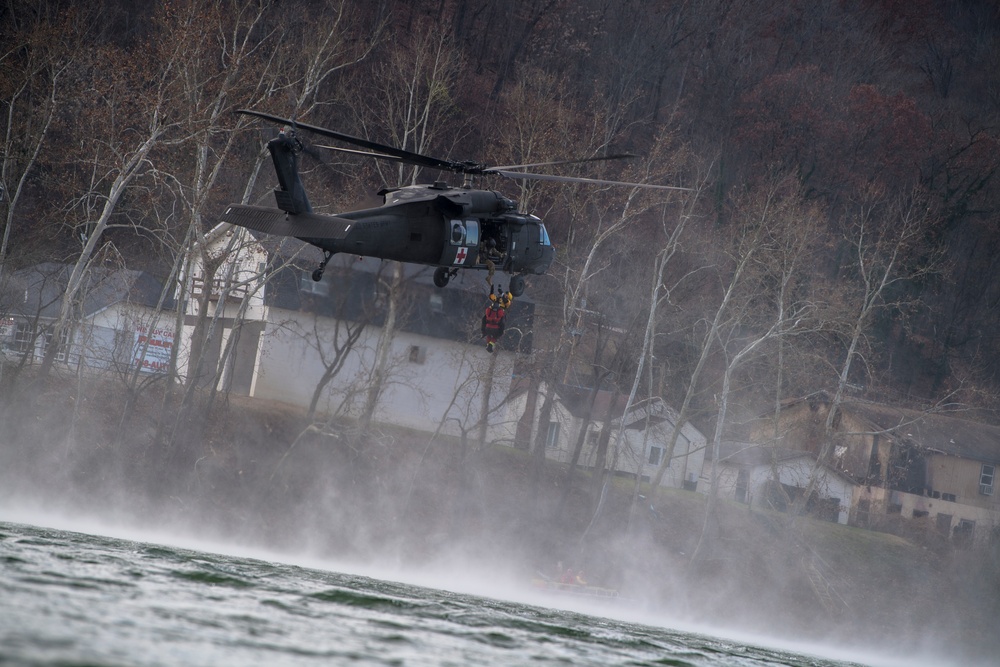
{"x":69,"y":598}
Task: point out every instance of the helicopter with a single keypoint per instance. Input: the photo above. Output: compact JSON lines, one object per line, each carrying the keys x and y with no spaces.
{"x":446,"y":227}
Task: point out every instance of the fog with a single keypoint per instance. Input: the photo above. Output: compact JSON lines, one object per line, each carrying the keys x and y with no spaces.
{"x":413,"y":521}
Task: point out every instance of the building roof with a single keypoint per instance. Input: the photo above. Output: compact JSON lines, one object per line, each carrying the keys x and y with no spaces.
{"x":37,"y":291}
{"x":932,"y":432}
{"x":576,"y":399}
{"x":647,"y":411}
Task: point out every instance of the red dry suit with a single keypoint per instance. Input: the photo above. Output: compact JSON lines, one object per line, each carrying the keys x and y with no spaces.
{"x":493,"y":322}
{"x":493,"y":318}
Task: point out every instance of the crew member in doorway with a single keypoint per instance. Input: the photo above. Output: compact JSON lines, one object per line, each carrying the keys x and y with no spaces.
{"x":494,"y":318}
{"x":491,"y":256}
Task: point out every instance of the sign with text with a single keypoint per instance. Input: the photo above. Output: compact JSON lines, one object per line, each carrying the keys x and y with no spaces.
{"x":157,"y":345}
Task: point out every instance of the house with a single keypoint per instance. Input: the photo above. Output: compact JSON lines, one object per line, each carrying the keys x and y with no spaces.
{"x":912,"y":469}
{"x":646,"y":429}
{"x":318,"y":343}
{"x":122,"y":318}
{"x":772,"y":477}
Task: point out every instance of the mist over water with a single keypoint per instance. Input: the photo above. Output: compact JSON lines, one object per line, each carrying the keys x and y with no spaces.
{"x":117,"y":595}
{"x":300,"y":515}
{"x":70,"y":598}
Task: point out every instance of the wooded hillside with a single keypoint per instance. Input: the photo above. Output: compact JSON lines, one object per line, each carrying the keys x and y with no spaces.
{"x":841,"y":231}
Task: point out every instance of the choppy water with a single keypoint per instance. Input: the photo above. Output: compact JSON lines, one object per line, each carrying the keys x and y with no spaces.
{"x":70,"y":598}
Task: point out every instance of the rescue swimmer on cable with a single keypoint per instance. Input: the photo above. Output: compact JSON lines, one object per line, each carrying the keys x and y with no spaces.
{"x":494,"y":319}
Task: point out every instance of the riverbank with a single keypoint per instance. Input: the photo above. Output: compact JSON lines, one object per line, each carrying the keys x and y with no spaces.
{"x":257,"y":474}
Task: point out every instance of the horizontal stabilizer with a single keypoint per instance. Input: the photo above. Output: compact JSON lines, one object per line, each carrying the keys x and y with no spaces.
{"x":279,"y":223}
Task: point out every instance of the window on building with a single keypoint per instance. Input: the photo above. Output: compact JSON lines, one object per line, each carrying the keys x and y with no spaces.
{"x":63,"y":344}
{"x":23,"y":337}
{"x":552,"y":436}
{"x":874,"y":464}
{"x":742,"y":483}
{"x":986,"y":477}
{"x":655,"y":455}
{"x":863,"y":515}
{"x":950,"y":497}
{"x":310,"y":286}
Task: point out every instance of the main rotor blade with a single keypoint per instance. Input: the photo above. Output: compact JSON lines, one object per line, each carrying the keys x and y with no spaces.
{"x":378,"y":156}
{"x":398,"y":153}
{"x":622,"y":156}
{"x":529,"y":176}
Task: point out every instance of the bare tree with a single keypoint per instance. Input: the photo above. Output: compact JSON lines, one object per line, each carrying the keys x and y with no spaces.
{"x":235,"y":53}
{"x":671,"y":233}
{"x":238,"y":52}
{"x":335,"y":341}
{"x":392,"y":292}
{"x":35,"y":57}
{"x":886,"y":238}
{"x":784,"y":324}
{"x":413,"y":103}
{"x":122,"y":154}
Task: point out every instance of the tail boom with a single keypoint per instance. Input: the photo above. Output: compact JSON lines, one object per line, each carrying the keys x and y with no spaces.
{"x":304,"y":226}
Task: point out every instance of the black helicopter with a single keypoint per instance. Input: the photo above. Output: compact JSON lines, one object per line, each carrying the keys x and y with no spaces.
{"x":438,"y":225}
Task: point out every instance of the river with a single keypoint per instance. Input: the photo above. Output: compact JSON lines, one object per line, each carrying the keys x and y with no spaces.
{"x":78,"y":598}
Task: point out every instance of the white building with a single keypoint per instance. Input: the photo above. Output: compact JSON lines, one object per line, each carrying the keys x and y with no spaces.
{"x":769,"y":477}
{"x":645,"y":432}
{"x":295,"y":331}
{"x":121,"y":318}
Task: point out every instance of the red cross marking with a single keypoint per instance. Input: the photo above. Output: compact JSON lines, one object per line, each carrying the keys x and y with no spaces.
{"x":461,"y":255}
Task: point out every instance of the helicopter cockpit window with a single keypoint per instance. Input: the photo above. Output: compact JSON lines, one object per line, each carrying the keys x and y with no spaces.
{"x":544,"y":235}
{"x":465,"y":232}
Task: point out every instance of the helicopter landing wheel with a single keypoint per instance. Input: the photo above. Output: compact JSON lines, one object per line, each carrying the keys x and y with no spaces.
{"x":317,"y":275}
{"x":516,"y":286}
{"x":442,"y":275}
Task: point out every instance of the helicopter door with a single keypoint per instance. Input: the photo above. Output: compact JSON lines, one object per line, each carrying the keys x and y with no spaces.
{"x":532,"y":249}
{"x":463,"y":243}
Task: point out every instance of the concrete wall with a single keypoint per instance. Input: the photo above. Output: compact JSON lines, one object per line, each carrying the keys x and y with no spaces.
{"x":960,"y":478}
{"x":430,"y":380}
{"x":938,"y":514}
